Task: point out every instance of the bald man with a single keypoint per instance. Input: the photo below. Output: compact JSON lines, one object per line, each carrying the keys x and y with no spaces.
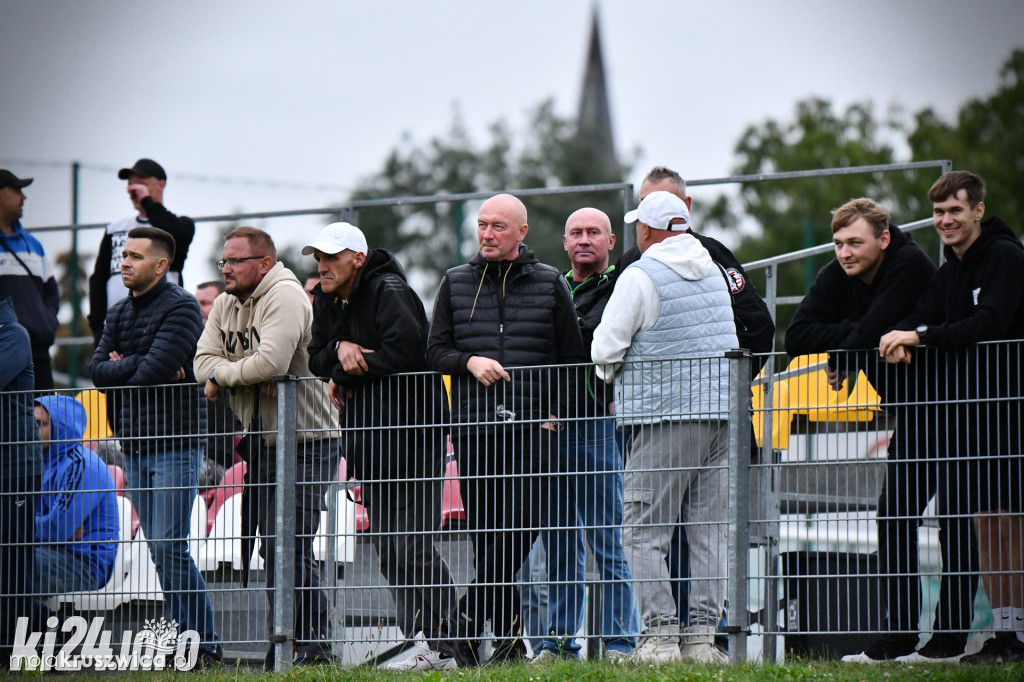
{"x":586,"y":504}
{"x":495,"y":317}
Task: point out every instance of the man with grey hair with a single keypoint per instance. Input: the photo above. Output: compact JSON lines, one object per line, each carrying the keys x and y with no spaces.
{"x":662,"y":341}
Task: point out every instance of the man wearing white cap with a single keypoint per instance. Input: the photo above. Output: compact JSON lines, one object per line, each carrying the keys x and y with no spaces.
{"x":369,"y":327}
{"x":258,"y":329}
{"x":661,"y":340}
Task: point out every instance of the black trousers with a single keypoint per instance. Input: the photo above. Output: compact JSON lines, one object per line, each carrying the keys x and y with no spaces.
{"x":504,"y":490}
{"x":17,"y":559}
{"x":316,"y":462}
{"x":923,"y":462}
{"x":404,"y":515}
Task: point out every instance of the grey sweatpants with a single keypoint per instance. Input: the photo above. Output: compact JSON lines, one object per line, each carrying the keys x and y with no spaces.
{"x":673,"y":467}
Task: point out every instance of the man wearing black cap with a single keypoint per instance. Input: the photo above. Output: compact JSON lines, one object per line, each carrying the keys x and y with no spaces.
{"x":146,"y":183}
{"x":26,"y":276}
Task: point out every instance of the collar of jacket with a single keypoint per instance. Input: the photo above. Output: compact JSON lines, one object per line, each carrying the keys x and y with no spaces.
{"x":145,"y":298}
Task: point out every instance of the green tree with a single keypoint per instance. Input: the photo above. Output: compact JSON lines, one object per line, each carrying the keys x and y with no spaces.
{"x":430,"y":238}
{"x":987,"y":138}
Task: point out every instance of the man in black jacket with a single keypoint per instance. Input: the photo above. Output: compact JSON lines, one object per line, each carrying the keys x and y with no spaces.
{"x":976,"y":297}
{"x":369,"y":326}
{"x":146,"y":183}
{"x":504,"y":310}
{"x":874,"y":281}
{"x":148,"y":343}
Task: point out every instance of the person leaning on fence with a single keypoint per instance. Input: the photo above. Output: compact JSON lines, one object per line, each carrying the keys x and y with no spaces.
{"x":146,"y":183}
{"x":27,"y":277}
{"x":874,"y":281}
{"x":260,"y":328}
{"x":661,"y":340}
{"x":369,"y":326}
{"x":500,"y":311}
{"x":976,"y":297}
{"x":21,"y":468}
{"x":222,"y":425}
{"x":148,"y":342}
{"x":586,"y":503}
{"x":77,"y":523}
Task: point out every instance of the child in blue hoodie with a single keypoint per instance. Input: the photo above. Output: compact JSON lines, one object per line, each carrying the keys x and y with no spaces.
{"x":77,"y":523}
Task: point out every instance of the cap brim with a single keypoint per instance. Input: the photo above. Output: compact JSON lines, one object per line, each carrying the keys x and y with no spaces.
{"x":22,"y":184}
{"x":323,"y":247}
{"x":631,"y":216}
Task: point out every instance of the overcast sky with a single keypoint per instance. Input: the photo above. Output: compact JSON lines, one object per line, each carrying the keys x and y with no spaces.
{"x":283,"y":105}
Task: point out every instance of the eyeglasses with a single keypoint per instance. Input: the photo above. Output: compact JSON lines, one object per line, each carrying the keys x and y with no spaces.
{"x":233,"y":262}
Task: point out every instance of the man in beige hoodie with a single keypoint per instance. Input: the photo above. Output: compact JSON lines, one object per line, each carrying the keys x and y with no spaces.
{"x":258,"y":329}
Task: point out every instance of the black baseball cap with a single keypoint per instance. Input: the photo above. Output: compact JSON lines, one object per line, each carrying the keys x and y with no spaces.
{"x":146,"y":168}
{"x":9,"y":179}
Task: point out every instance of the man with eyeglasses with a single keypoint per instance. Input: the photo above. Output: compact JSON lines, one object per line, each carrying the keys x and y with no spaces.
{"x":146,"y":182}
{"x":260,"y":329}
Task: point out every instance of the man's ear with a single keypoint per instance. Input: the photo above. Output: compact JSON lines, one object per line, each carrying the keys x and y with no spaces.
{"x":885,"y":239}
{"x":360,"y":259}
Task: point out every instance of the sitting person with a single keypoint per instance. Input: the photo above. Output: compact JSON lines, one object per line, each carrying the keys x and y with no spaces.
{"x":76,"y":514}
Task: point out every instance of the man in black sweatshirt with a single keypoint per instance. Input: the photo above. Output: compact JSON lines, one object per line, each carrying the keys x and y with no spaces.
{"x":976,"y":297}
{"x":877,"y":276}
{"x":146,"y":183}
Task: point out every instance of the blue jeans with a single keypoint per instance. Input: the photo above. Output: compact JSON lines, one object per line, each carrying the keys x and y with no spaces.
{"x":586,"y":503}
{"x":163,"y":488}
{"x":59,"y":571}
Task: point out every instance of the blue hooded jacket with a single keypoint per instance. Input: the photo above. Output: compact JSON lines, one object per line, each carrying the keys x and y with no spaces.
{"x":77,"y":491}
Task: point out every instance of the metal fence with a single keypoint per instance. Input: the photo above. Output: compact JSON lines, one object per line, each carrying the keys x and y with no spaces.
{"x":441,"y":530}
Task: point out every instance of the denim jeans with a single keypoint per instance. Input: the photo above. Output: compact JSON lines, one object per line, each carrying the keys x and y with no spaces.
{"x":162,"y":488}
{"x":59,"y":571}
{"x":586,"y":504}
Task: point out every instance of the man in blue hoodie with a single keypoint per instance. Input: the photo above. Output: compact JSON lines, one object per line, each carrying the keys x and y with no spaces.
{"x":76,"y":514}
{"x":26,"y":276}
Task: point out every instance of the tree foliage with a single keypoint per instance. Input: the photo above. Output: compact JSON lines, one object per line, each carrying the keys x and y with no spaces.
{"x":430,"y":238}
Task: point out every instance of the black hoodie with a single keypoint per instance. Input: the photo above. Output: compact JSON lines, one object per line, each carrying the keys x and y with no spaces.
{"x":385,"y":315}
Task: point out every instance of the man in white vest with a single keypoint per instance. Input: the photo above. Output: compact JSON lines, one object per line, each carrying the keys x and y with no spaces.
{"x":662,"y":341}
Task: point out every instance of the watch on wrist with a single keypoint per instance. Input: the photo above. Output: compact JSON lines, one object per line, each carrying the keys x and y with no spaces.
{"x":922,"y":333}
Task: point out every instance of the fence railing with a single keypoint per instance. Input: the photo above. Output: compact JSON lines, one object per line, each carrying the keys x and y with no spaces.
{"x":440,"y":531}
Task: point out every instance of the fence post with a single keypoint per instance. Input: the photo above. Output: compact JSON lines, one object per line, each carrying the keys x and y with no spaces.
{"x":739,"y":503}
{"x":282,"y":638}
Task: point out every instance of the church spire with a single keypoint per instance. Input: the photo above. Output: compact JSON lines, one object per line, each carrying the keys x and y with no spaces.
{"x":594,"y":121}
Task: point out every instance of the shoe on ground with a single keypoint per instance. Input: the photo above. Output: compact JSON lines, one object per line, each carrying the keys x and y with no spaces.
{"x":210,"y":658}
{"x":885,"y":648}
{"x":617,"y":656}
{"x":1003,"y":648}
{"x":659,"y":645}
{"x":313,"y":654}
{"x":943,"y":647}
{"x":463,"y":651}
{"x":698,"y":645}
{"x":426,"y":660}
{"x":509,"y":651}
{"x":545,"y":657}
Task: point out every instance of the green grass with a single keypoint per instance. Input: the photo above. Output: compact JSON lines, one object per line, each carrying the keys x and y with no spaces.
{"x":794,"y":670}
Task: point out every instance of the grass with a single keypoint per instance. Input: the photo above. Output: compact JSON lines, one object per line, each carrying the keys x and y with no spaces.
{"x":572,"y":670}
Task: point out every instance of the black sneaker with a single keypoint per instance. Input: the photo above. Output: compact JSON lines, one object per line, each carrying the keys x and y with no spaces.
{"x":1003,"y":648}
{"x":210,"y":659}
{"x":885,"y":648}
{"x":463,"y":651}
{"x":508,"y":651}
{"x":313,"y":654}
{"x":943,"y":647}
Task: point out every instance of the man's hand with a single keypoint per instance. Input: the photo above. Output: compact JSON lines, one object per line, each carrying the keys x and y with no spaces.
{"x":334,"y":391}
{"x":487,"y":371}
{"x":115,"y":356}
{"x":137,"y":192}
{"x":350,"y":355}
{"x":269,"y":389}
{"x":895,"y":346}
{"x":836,"y":377}
{"x":212,"y":391}
{"x":179,"y":375}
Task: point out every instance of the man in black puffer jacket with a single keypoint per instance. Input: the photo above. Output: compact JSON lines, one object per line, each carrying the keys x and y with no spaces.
{"x":148,"y":342}
{"x":502,"y":310}
{"x":369,"y":327}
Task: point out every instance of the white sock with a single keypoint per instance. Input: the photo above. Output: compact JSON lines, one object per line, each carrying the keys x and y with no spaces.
{"x":1002,"y":618}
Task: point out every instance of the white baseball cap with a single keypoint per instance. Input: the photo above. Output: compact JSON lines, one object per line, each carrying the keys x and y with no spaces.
{"x":657,"y":209}
{"x":337,"y":237}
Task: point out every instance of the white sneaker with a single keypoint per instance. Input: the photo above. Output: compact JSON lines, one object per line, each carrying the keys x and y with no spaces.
{"x":659,"y":645}
{"x":544,"y":657}
{"x":861,"y":658}
{"x":427,"y":660}
{"x":617,"y":656}
{"x":699,"y":645}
